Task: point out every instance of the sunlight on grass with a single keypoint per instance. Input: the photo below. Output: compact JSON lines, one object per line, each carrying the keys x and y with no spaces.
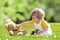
{"x":4,"y":35}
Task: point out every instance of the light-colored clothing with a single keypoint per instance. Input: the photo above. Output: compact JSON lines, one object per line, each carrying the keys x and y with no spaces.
{"x":41,"y":25}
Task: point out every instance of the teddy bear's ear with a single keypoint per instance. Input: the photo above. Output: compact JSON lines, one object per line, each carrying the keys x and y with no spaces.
{"x":6,"y":25}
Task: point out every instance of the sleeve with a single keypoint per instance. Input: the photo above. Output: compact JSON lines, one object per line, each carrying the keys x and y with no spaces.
{"x":44,"y":24}
{"x":31,"y":22}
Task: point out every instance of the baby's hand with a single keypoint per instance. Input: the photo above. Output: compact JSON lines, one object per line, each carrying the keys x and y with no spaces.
{"x":38,"y":33}
{"x":18,"y":26}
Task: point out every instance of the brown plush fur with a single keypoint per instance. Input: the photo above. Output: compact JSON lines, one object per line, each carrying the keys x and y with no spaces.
{"x":15,"y":29}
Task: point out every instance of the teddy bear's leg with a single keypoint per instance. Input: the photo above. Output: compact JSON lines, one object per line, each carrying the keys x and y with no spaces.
{"x":20,"y":33}
{"x":11,"y":32}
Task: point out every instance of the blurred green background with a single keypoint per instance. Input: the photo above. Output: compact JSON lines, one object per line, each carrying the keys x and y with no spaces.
{"x":20,"y":10}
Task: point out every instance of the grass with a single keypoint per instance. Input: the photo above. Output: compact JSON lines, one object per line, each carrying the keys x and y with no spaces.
{"x":4,"y":35}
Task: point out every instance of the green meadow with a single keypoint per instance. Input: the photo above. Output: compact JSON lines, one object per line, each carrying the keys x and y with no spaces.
{"x":20,"y":10}
{"x":4,"y":35}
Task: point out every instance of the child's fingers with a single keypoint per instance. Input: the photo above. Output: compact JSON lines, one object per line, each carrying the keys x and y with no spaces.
{"x":18,"y":25}
{"x":38,"y":33}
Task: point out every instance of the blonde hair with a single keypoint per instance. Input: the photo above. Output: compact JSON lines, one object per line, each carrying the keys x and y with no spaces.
{"x":39,"y":13}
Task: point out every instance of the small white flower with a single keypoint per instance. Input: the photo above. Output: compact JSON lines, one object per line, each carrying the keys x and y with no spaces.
{"x":55,"y":36}
{"x":6,"y":38}
{"x":26,"y":34}
{"x":0,"y":38}
{"x":46,"y":36}
{"x":45,"y":39}
{"x":37,"y":35}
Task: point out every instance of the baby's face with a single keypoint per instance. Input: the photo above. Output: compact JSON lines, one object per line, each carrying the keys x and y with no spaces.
{"x":35,"y":19}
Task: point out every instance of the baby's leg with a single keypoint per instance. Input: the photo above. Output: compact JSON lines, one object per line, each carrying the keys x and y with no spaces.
{"x":47,"y":33}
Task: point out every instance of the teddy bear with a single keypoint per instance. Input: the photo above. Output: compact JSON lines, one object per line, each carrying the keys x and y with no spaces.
{"x":13,"y":29}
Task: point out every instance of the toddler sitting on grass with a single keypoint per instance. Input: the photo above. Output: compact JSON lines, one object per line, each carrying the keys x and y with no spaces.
{"x":42,"y":27}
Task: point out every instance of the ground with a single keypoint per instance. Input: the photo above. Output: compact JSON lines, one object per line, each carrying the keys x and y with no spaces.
{"x":4,"y":35}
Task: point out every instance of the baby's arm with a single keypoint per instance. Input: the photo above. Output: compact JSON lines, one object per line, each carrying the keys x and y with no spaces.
{"x":24,"y":23}
{"x":45,"y":26}
{"x":45,"y":29}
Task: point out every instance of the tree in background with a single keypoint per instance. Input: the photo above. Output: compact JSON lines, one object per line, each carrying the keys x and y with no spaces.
{"x":20,"y":10}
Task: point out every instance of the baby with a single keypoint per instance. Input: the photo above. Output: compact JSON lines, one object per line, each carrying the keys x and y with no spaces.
{"x":42,"y":27}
